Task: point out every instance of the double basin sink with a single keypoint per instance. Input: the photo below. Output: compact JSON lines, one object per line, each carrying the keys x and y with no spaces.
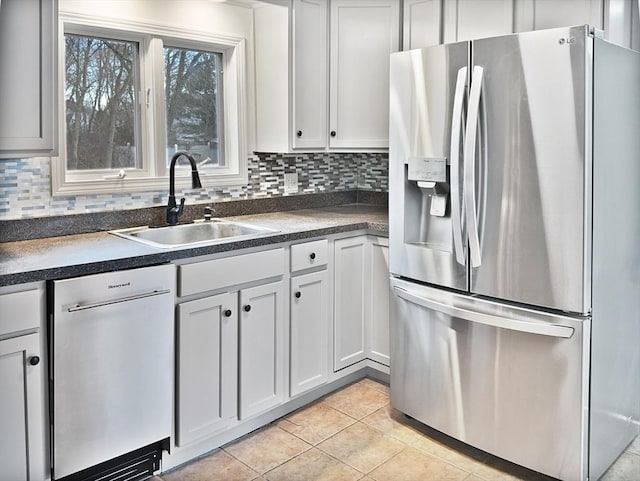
{"x":206,"y":232}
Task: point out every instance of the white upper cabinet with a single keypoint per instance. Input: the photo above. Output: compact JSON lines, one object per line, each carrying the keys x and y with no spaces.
{"x":542,"y":14}
{"x":472,"y":19}
{"x":363,"y":35}
{"x":309,"y":74}
{"x":618,"y":18}
{"x":337,"y":74}
{"x":421,"y":21}
{"x":27,"y":77}
{"x":271,"y":50}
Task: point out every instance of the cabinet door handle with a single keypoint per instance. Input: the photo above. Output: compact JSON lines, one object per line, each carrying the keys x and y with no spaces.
{"x":34,"y":361}
{"x":333,"y":133}
{"x":312,"y":255}
{"x":299,"y":133}
{"x":247,"y":308}
{"x":298,"y":294}
{"x":227,"y":313}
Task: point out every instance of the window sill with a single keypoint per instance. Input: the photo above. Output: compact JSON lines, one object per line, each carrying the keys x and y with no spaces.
{"x":142,"y":184}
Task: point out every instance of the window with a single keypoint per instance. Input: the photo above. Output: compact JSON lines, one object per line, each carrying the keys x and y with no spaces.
{"x":193,"y":104}
{"x":101,"y":101}
{"x":132,"y":98}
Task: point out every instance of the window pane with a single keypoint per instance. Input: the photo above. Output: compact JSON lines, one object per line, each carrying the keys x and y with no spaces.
{"x":193,"y":85}
{"x":100,"y":94}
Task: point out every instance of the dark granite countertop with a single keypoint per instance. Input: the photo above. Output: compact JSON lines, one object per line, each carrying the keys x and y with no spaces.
{"x":81,"y":254}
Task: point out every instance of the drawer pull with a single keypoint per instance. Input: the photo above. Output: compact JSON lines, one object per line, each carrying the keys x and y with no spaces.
{"x":227,"y":313}
{"x":34,"y":361}
{"x":298,"y":294}
{"x":312,"y":255}
{"x":247,"y":308}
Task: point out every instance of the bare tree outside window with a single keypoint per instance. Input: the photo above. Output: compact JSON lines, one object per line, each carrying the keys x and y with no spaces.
{"x":193,"y":104}
{"x":100,"y":96}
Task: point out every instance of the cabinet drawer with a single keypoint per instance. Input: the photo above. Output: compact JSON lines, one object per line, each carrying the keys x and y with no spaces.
{"x":229,"y":271}
{"x":309,"y":254}
{"x":20,"y":311}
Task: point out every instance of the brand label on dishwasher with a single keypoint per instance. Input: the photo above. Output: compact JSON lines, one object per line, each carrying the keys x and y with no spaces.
{"x":429,"y":169}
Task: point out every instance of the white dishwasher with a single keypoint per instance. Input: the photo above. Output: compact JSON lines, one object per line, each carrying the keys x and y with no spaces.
{"x":111,"y":376}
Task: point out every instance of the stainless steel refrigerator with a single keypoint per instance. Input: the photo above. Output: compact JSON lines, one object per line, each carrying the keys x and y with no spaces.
{"x":514,"y":225}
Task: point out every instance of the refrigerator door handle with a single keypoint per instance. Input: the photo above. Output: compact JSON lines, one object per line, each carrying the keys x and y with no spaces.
{"x":470,"y":167}
{"x":544,"y":329}
{"x":454,"y":156}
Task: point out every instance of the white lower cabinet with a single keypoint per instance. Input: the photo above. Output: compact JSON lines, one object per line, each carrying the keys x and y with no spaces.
{"x":261,"y":349}
{"x":19,"y":402}
{"x":230,"y":359}
{"x":309,"y":332}
{"x":230,"y":346}
{"x":361,"y":300}
{"x":350,"y":263}
{"x":253,"y":335}
{"x":22,"y":395}
{"x":207,"y":368}
{"x":377,"y":314}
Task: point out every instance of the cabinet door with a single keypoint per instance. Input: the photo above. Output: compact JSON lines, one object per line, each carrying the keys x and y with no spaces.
{"x":471,"y":19}
{"x":363,"y":34}
{"x":309,"y":332}
{"x":378,"y":301}
{"x":542,"y":14}
{"x":349,"y":301}
{"x":421,"y":24}
{"x":309,"y":74}
{"x":262,"y":380}
{"x":271,"y":60}
{"x":21,"y":404}
{"x":27,"y":87}
{"x":207,"y":353}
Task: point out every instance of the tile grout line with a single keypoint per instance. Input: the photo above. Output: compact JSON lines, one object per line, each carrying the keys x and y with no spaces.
{"x":290,"y":459}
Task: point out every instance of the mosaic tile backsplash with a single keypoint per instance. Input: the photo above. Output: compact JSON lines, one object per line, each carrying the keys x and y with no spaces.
{"x":25,"y":184}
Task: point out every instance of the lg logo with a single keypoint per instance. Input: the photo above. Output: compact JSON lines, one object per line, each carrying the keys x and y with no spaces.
{"x":569,"y":40}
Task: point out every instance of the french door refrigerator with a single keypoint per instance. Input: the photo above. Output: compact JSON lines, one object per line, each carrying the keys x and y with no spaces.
{"x":514,"y":216}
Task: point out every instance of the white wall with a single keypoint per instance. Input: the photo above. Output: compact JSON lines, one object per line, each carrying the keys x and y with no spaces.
{"x":205,"y":15}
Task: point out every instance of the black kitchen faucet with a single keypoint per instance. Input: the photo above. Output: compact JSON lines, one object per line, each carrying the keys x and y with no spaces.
{"x":173,"y":210}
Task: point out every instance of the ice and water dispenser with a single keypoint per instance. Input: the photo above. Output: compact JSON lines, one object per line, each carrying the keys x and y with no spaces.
{"x":427,"y":218}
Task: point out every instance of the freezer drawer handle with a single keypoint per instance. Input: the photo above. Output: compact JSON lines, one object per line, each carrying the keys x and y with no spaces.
{"x":544,"y":329}
{"x":82,"y":307}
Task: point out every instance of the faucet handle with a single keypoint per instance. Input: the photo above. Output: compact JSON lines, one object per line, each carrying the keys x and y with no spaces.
{"x":208,"y":213}
{"x":174,"y":211}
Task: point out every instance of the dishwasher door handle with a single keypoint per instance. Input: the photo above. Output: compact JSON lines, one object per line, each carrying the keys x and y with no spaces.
{"x":82,"y":307}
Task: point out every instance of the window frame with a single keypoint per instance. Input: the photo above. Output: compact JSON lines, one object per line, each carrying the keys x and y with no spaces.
{"x":152,"y":129}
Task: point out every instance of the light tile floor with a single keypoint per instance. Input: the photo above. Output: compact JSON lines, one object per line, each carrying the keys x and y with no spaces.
{"x":354,"y":434}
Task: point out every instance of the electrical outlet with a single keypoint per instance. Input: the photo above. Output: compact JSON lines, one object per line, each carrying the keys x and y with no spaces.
{"x":291,"y":183}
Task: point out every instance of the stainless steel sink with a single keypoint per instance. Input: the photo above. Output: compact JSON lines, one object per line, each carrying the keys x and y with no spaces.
{"x":199,"y":233}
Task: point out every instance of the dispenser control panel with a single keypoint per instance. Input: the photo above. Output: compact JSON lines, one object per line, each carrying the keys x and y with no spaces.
{"x":427,"y":169}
